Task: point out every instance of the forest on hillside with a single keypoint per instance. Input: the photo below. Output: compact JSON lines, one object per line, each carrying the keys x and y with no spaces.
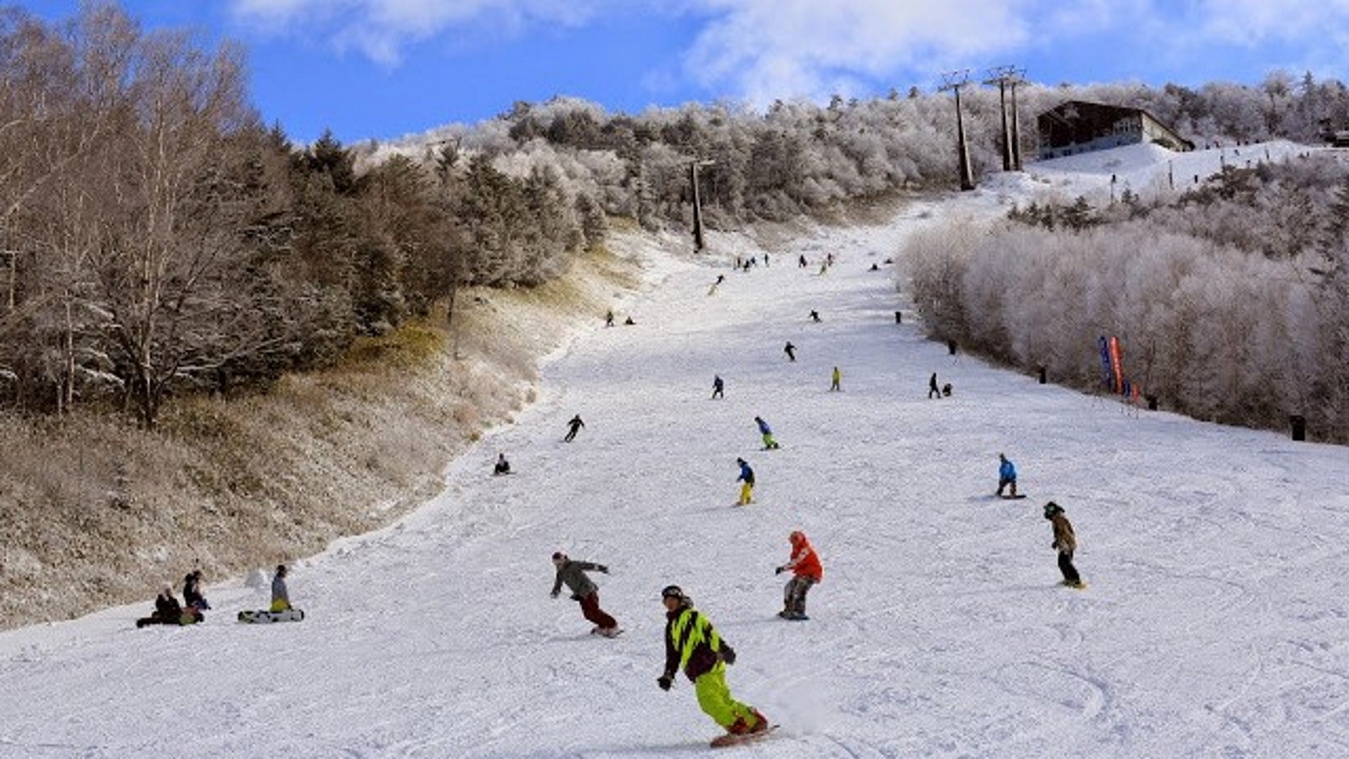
{"x":158,"y":239}
{"x":1231,"y":301}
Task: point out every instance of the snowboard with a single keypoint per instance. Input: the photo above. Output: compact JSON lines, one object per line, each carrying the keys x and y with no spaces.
{"x":730,"y":739}
{"x":1016,"y":497}
{"x":617,"y":632}
{"x":263,"y":616}
{"x":793,"y":617}
{"x":1079,"y":586}
{"x":187,"y":618}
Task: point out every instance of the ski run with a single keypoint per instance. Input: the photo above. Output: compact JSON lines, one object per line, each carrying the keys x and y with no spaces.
{"x":1215,"y":621}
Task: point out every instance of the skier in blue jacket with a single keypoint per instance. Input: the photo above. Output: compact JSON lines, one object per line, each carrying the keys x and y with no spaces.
{"x":767,"y":432}
{"x":1006,"y":475}
{"x":746,"y":479}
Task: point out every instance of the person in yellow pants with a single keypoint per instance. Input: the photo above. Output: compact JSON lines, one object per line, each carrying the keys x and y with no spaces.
{"x":694,"y":645}
{"x":747,"y":478}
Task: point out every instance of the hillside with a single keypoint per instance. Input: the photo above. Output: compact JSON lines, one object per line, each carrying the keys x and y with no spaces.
{"x":97,"y":512}
{"x":1212,"y":625}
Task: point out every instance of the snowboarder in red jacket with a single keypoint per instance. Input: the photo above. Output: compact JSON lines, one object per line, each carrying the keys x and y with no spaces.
{"x":806,"y":572}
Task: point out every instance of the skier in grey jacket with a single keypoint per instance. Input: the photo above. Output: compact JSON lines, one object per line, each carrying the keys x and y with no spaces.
{"x":583,"y":589}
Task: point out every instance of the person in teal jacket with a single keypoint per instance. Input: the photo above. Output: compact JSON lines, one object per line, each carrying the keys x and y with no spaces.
{"x":694,"y":645}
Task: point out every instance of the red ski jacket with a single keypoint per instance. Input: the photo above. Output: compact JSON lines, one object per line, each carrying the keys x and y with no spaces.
{"x":804,"y":562}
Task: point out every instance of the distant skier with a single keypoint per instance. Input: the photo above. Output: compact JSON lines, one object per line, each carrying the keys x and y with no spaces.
{"x":790,"y":350}
{"x":836,"y":380}
{"x":502,"y":466}
{"x":1065,"y":542}
{"x":693,"y":644}
{"x":718,"y":387}
{"x":815,"y":316}
{"x":801,"y":261}
{"x":280,"y":594}
{"x":747,"y":478}
{"x":767,"y":433}
{"x":1006,"y":475}
{"x":573,"y":427}
{"x":932,"y":387}
{"x":806,"y":570}
{"x":609,"y":318}
{"x":584,"y":590}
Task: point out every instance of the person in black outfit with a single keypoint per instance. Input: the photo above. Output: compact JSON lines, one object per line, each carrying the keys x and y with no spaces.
{"x":502,"y":466}
{"x":932,"y":388}
{"x":573,"y":427}
{"x":192,"y":597}
{"x":167,"y":608}
{"x":790,"y":350}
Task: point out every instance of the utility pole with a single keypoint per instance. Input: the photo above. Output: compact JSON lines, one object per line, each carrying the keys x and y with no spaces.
{"x":1016,"y":121}
{"x":697,"y":204}
{"x":1007,"y":77}
{"x":954,"y":81}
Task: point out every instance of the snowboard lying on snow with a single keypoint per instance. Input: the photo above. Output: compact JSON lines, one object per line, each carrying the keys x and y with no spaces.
{"x":264,"y":616}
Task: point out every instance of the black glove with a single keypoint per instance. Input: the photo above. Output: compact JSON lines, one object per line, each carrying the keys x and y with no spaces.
{"x":665,"y":681}
{"x":778,"y":571}
{"x":728,"y":654}
{"x":603,"y":569}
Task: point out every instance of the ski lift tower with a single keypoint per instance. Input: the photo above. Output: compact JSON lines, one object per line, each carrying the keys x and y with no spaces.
{"x":954,"y":81}
{"x":697,"y":203}
{"x":1007,"y":78}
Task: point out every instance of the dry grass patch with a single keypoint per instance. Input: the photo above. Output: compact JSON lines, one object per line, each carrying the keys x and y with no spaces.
{"x":94,"y":512}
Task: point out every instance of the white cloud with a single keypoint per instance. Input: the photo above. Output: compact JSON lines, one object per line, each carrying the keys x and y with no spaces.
{"x":382,"y":29}
{"x":768,"y":49}
{"x":1251,"y":21}
{"x":762,"y":50}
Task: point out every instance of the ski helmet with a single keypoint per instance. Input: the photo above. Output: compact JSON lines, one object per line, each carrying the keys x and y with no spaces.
{"x":1052,"y":508}
{"x":672,"y":591}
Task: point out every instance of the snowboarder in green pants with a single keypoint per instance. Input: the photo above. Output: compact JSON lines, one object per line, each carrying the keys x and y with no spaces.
{"x":694,"y":645}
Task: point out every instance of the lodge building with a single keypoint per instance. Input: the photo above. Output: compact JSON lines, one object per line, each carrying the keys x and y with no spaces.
{"x":1078,"y":126}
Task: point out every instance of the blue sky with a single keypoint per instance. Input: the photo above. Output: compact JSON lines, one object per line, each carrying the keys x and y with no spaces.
{"x":386,"y":68}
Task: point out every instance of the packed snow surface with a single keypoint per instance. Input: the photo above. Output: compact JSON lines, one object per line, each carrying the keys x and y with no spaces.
{"x":1214,"y":623}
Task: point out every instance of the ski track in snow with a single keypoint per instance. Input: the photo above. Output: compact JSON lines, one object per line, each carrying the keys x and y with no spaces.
{"x":1214,"y":624}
